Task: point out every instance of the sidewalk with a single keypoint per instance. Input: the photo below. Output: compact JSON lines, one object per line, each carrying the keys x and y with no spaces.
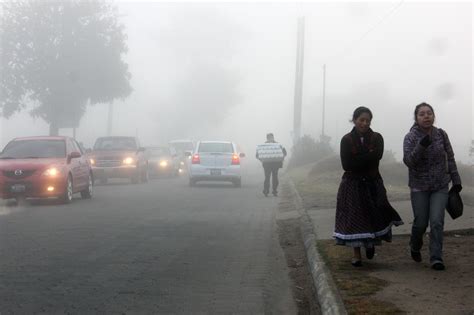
{"x":392,"y":282}
{"x":323,"y":220}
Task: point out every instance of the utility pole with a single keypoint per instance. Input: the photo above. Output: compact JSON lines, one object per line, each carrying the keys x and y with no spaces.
{"x":324,"y":99}
{"x":298,"y":81}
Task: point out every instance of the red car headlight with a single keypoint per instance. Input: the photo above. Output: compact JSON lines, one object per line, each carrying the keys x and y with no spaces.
{"x":52,"y":172}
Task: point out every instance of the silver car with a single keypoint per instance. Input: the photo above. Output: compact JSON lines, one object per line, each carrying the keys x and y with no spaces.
{"x":215,"y":161}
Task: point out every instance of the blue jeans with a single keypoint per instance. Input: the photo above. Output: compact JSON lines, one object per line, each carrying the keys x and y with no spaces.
{"x":429,"y":206}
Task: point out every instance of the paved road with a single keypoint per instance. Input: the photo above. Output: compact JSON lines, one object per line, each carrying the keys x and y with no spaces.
{"x":161,"y":247}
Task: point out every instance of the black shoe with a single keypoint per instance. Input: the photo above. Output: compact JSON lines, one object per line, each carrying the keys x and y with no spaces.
{"x":416,"y":256}
{"x":370,"y":252}
{"x":265,"y":193}
{"x":438,"y":266}
{"x":356,"y":262}
{"x":275,"y":193}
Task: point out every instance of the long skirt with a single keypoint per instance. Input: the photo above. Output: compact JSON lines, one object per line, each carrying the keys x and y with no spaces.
{"x":364,"y":217}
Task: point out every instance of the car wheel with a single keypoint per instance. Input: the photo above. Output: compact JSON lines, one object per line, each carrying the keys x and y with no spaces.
{"x":87,"y":192}
{"x":237,"y":183}
{"x":192,"y":182}
{"x":67,"y":196}
{"x":103,"y":180}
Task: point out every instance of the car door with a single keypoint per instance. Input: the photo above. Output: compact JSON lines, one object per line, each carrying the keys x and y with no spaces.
{"x":75,"y":166}
{"x":84,"y":164}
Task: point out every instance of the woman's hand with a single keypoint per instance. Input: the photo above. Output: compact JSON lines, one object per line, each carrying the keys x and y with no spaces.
{"x":426,"y":141}
{"x":456,"y":188}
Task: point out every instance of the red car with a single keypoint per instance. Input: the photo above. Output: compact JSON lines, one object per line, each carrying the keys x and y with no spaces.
{"x":44,"y":167}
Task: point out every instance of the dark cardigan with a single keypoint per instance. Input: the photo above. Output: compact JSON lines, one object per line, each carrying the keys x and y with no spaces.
{"x":361,"y":159}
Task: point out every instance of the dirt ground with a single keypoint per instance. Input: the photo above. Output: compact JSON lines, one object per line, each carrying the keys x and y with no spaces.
{"x":392,"y":283}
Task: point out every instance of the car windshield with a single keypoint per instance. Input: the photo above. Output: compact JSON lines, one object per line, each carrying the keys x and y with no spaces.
{"x":181,"y":147}
{"x":216,"y":147}
{"x":30,"y":149}
{"x":156,"y":152}
{"x":115,"y":144}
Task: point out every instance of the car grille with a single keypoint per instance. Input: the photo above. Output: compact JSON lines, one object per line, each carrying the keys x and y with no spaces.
{"x":108,"y":163}
{"x":24,"y":174}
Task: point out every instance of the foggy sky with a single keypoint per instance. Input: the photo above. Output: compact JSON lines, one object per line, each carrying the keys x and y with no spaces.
{"x":420,"y":53}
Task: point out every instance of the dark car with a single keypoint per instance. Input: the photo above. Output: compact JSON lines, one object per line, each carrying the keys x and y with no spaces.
{"x":44,"y":167}
{"x":119,"y":157}
{"x":161,"y":161}
{"x":182,"y":148}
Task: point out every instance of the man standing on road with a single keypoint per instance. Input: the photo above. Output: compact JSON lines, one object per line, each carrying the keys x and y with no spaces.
{"x":272,"y":161}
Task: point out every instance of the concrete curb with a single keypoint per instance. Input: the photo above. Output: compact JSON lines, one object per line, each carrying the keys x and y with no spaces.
{"x":328,"y":295}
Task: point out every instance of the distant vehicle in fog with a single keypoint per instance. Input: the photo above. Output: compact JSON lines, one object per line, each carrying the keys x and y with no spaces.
{"x":161,"y":161}
{"x":119,"y":157}
{"x":44,"y":167}
{"x":215,"y":161}
{"x":183,"y":150}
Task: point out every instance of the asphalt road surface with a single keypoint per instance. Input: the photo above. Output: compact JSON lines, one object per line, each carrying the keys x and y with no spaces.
{"x":160,"y":247}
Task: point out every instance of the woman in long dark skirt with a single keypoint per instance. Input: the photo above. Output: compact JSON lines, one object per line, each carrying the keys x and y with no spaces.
{"x":364,"y":217}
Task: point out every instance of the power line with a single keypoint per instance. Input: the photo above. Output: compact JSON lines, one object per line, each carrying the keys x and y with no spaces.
{"x":355,"y":42}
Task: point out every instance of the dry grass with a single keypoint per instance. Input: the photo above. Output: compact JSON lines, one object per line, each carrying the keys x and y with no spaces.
{"x":318,"y":183}
{"x":356,"y":286}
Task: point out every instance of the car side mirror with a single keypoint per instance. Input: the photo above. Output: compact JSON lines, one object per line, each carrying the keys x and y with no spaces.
{"x":74,"y":155}
{"x":242,"y":155}
{"x":187,"y":153}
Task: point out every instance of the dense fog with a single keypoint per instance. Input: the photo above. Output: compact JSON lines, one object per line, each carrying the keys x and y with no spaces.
{"x":227,"y":72}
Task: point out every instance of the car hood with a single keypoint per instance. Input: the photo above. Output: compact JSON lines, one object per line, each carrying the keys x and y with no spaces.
{"x":112,"y":153}
{"x":160,"y":158}
{"x":25,"y":164}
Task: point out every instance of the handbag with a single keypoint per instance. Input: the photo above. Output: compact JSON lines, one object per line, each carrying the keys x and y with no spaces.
{"x":455,"y":205}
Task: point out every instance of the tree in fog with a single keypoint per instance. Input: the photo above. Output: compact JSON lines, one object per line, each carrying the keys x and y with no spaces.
{"x":58,"y":56}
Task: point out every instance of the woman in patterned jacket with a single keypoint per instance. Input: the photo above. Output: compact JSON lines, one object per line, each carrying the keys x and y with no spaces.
{"x":364,"y":217}
{"x":431,"y":166}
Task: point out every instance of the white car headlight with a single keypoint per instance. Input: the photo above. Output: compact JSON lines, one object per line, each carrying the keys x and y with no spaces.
{"x":164,"y":163}
{"x":128,"y":161}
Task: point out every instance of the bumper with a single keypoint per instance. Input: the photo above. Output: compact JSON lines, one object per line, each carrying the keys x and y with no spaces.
{"x":158,"y":171}
{"x":202,"y":173}
{"x":33,"y":189}
{"x":125,"y":171}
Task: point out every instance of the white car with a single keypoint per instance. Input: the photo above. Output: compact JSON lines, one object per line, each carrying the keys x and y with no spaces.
{"x":215,"y":161}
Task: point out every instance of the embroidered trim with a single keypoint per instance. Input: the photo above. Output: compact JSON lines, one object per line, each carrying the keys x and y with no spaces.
{"x":367,"y":235}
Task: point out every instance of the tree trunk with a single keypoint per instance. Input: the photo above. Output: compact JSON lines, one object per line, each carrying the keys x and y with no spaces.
{"x":53,"y":129}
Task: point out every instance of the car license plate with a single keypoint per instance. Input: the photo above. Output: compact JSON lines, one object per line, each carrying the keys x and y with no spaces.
{"x":18,"y":188}
{"x":216,"y":172}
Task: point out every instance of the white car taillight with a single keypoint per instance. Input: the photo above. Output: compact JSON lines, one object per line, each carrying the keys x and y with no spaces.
{"x":196,"y":159}
{"x":235,"y":159}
